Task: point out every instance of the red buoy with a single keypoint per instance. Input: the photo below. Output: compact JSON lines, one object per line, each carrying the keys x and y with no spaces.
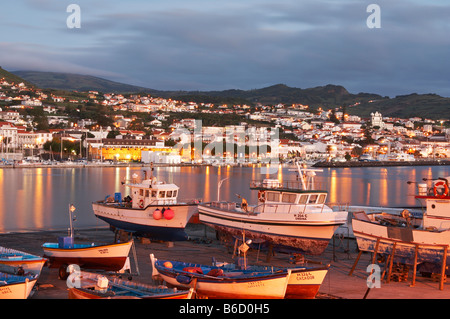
{"x":157,"y":214}
{"x":169,"y":214}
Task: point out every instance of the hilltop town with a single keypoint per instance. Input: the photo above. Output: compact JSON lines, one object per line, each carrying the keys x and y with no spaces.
{"x":48,"y":126}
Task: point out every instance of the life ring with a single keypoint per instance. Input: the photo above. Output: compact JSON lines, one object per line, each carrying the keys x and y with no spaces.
{"x":262,"y":196}
{"x":141,"y":203}
{"x":439,"y":184}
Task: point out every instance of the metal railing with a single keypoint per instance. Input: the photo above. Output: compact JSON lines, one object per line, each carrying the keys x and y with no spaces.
{"x":275,"y":184}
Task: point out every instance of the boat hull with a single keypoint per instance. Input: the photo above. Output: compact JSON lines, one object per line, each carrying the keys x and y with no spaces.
{"x":142,"y":223}
{"x":28,"y":266}
{"x":251,"y":286}
{"x":308,"y":237}
{"x":305,"y":283}
{"x":15,"y":261}
{"x":85,"y":288}
{"x":429,"y":245}
{"x":110,"y":257}
{"x":17,"y":290}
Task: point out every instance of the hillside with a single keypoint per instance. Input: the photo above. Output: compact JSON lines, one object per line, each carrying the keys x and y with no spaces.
{"x":329,"y":96}
{"x":11,"y":77}
{"x":430,"y":106}
{"x":75,"y":82}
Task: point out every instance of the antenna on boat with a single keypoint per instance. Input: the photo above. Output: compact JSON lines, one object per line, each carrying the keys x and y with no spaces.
{"x":71,"y":218}
{"x":306,"y":175}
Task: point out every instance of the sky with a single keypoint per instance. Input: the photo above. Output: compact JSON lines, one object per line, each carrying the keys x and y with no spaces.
{"x":401,"y":47}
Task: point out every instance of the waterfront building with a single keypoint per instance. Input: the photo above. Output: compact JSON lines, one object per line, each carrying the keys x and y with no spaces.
{"x":119,"y":149}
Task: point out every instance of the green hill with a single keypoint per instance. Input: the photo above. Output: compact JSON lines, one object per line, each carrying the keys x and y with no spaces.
{"x":430,"y":106}
{"x":13,"y":78}
{"x":76,"y":82}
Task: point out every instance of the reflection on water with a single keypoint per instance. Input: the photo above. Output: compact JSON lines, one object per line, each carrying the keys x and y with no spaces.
{"x":37,"y":199}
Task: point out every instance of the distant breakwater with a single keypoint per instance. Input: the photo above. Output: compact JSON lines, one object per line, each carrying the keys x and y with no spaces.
{"x":381,"y":163}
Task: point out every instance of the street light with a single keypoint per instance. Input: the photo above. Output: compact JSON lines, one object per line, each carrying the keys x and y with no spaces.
{"x":62,"y":138}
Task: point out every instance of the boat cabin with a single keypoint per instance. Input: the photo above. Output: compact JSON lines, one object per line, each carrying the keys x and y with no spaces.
{"x":280,"y":197}
{"x":151,"y":192}
{"x":289,"y":197}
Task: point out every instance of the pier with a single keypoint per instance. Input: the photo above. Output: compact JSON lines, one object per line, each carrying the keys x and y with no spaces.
{"x":381,"y":163}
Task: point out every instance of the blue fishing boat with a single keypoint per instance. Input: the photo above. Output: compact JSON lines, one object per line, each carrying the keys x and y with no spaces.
{"x":19,"y":262}
{"x":87,"y":285}
{"x":216,"y":283}
{"x":16,"y":287}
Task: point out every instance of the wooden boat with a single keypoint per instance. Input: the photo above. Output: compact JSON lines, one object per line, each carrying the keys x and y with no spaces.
{"x":88,"y":285}
{"x":304,"y":281}
{"x":19,"y":262}
{"x":152,"y":210}
{"x":289,"y":214}
{"x":111,"y":257}
{"x":16,"y":287}
{"x":215,"y":283}
{"x":421,"y":241}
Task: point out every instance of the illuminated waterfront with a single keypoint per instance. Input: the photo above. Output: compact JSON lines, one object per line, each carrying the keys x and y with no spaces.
{"x":34,"y":199}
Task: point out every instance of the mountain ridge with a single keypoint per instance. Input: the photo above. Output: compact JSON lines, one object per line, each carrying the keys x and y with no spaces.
{"x":329,"y":96}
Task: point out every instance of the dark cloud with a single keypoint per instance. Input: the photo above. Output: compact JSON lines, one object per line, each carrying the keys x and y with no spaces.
{"x":208,"y":45}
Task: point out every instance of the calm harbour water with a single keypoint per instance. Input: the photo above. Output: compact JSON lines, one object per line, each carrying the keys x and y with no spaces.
{"x":33,"y":199}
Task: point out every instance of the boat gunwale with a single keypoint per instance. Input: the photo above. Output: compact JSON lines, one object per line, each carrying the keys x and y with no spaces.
{"x":246,"y":218}
{"x":121,"y":206}
{"x":242,"y":278}
{"x":84,"y":248}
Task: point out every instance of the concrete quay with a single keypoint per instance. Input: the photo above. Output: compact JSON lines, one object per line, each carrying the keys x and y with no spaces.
{"x":203,"y":245}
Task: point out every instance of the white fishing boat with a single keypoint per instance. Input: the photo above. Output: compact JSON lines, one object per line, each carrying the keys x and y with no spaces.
{"x":411,"y":240}
{"x":216,"y":283}
{"x":289,"y":214}
{"x":151,"y":210}
{"x":16,"y":287}
{"x":19,"y":262}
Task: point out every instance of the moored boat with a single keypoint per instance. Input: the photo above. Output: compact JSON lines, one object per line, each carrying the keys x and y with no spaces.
{"x":411,"y":240}
{"x":151,"y":210}
{"x":16,"y":287}
{"x":216,"y":283}
{"x":19,"y":262}
{"x":288,"y":214}
{"x":86,"y":285}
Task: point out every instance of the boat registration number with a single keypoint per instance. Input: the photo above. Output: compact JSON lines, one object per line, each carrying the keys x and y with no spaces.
{"x":5,"y":290}
{"x":103,"y":251}
{"x":255,"y":284}
{"x":304,"y":276}
{"x":301,"y":216}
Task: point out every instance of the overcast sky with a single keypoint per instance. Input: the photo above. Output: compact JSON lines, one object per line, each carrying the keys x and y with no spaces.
{"x":235,"y":44}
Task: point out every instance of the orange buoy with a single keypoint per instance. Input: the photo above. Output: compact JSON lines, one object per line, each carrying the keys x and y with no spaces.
{"x":157,"y":214}
{"x":445,"y":191}
{"x":169,"y":214}
{"x":168,"y":264}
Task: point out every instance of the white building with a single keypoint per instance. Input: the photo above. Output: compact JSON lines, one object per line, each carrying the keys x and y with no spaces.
{"x":160,"y":157}
{"x":377,"y":120}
